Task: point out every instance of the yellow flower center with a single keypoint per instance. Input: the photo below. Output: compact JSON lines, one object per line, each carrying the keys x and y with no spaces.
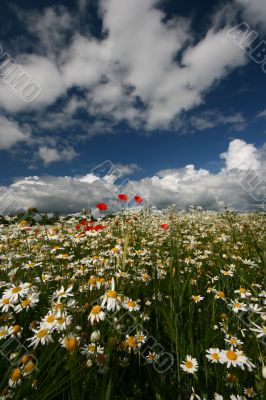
{"x":221,"y":294}
{"x":60,"y":320}
{"x":42,"y":333}
{"x":71,"y":343}
{"x":29,"y":367}
{"x":50,"y":319}
{"x":16,"y":289}
{"x":6,"y":301}
{"x":188,"y":364}
{"x":91,"y":348}
{"x":215,"y":356}
{"x":92,"y":281}
{"x":16,"y":328}
{"x":131,"y":304}
{"x":231,"y":355}
{"x":3,"y":332}
{"x":25,"y":303}
{"x":237,"y":305}
{"x":242,"y":290}
{"x":96,"y":309}
{"x":131,"y":341}
{"x":16,"y":374}
{"x":112,"y":294}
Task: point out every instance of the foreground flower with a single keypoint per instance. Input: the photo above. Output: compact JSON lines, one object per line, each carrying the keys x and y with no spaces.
{"x":233,"y":357}
{"x":96,"y":314}
{"x":110,"y":299}
{"x":213,"y":355}
{"x":42,"y":336}
{"x":70,"y":342}
{"x":15,"y":378}
{"x":190,"y":365}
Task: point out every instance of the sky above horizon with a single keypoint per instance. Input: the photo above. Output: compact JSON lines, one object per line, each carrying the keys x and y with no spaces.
{"x":157,"y":91}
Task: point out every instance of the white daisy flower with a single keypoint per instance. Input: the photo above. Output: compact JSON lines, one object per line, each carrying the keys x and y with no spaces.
{"x":189,"y":365}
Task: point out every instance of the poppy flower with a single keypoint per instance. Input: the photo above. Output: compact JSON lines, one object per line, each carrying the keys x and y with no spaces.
{"x":84,"y":222}
{"x":78,"y":227}
{"x":122,"y":197}
{"x":99,"y":227}
{"x":164,"y":226}
{"x":102,"y":206}
{"x":138,"y":199}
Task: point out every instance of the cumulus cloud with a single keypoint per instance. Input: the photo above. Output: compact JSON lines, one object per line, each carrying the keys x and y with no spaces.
{"x":50,"y":155}
{"x":254,"y":11}
{"x":11,"y":133}
{"x":240,"y":184}
{"x":143,"y":68}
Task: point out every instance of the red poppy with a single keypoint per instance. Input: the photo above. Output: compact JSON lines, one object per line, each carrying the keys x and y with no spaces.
{"x":78,"y":227}
{"x":122,"y":197}
{"x":102,"y":206}
{"x":89,"y":228}
{"x":99,"y":227}
{"x":165,"y":226}
{"x":84,"y":222}
{"x":138,"y":199}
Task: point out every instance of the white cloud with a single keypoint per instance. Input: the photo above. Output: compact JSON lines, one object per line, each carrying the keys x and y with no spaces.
{"x":231,"y":187}
{"x":50,"y":155}
{"x":135,"y":62}
{"x":11,"y":133}
{"x":211,"y":119}
{"x":242,"y":156}
{"x":261,"y":114}
{"x":254,"y":11}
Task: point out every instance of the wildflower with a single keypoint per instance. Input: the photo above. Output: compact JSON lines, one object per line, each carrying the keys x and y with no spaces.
{"x":16,"y":292}
{"x":42,"y":336}
{"x":232,"y":340}
{"x":110,"y":298}
{"x":151,"y":357}
{"x":15,"y":330}
{"x":91,"y":349}
{"x":237,"y":306}
{"x":243,"y":292}
{"x":62,"y":293}
{"x":138,"y":199}
{"x":70,"y":342}
{"x":213,"y":355}
{"x":164,"y":226}
{"x":250,"y":392}
{"x":5,"y":304}
{"x":102,"y":206}
{"x":95,"y":336}
{"x":15,"y":378}
{"x":233,"y":357}
{"x":122,"y":197}
{"x":220,"y":295}
{"x":131,"y":305}
{"x":4,"y":331}
{"x":261,"y":330}
{"x":49,"y":321}
{"x":96,"y":314}
{"x":197,"y":298}
{"x":29,"y":302}
{"x":131,"y":343}
{"x":190,"y":365}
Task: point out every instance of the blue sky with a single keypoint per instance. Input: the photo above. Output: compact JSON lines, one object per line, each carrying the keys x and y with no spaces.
{"x":150,"y":85}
